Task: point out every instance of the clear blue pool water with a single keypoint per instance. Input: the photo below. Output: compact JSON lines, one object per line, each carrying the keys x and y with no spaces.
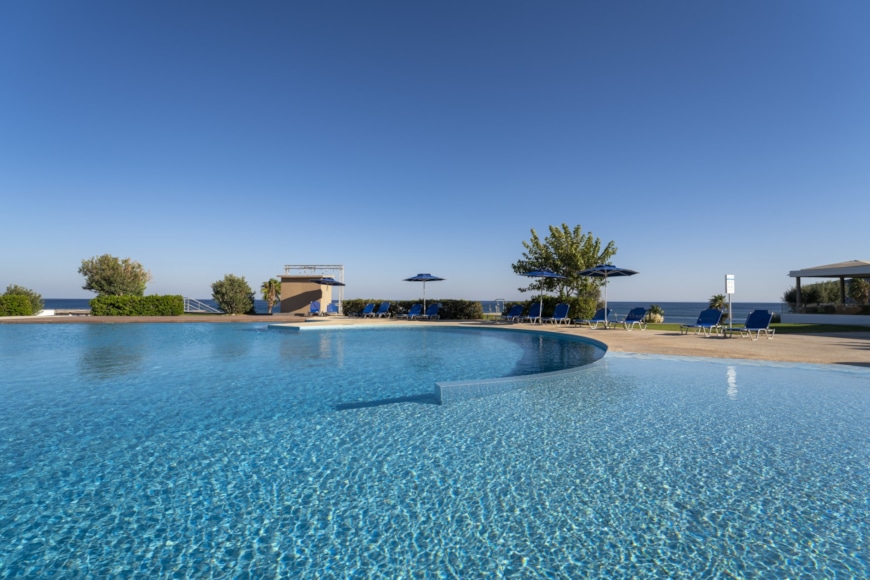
{"x":198,"y":450}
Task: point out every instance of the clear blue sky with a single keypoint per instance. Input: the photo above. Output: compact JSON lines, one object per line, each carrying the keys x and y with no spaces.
{"x":394,"y":137}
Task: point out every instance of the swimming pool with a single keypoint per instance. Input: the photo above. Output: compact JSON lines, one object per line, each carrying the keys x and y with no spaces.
{"x":224,"y":450}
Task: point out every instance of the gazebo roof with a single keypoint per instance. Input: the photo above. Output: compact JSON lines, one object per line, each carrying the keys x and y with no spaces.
{"x":850,"y":269}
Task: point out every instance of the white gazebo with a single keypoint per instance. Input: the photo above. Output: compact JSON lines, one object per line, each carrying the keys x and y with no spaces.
{"x":841,"y":270}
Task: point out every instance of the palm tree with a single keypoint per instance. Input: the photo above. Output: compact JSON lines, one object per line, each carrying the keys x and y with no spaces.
{"x":271,"y":290}
{"x":720,"y":302}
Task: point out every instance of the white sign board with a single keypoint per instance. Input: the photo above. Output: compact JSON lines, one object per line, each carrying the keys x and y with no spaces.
{"x":729,"y":283}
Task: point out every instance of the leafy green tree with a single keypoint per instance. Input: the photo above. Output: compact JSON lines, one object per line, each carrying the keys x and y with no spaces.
{"x":565,"y":251}
{"x":233,"y":295}
{"x":271,"y":290}
{"x":109,"y":276}
{"x":34,"y":298}
{"x":859,"y":290}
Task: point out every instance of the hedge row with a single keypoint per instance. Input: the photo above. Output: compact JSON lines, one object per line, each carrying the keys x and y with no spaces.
{"x":450,"y":309}
{"x":15,"y":305}
{"x":169,"y":305}
{"x":470,"y":310}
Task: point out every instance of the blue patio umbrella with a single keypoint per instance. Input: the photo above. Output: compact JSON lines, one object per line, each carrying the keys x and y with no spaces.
{"x":542,"y":274}
{"x":424,"y":278}
{"x":330,"y":281}
{"x":606,"y":271}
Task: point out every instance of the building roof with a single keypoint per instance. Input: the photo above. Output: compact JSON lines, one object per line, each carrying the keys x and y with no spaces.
{"x":850,"y":269}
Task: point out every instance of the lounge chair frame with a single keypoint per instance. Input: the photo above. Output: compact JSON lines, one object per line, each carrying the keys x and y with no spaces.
{"x":534,"y":313}
{"x":600,"y":317}
{"x":707,"y":323}
{"x":758,"y":321}
{"x":560,"y":314}
{"x":383,"y":310}
{"x":414,"y":312}
{"x":514,"y":314}
{"x":431,"y":313}
{"x":635,"y":316}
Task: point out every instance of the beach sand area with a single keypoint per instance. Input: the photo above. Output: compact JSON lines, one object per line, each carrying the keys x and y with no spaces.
{"x":848,"y":348}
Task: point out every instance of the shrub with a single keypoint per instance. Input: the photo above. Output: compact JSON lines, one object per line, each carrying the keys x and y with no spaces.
{"x":34,"y":298}
{"x":819,"y":293}
{"x":859,"y":290}
{"x":233,"y":295}
{"x":655,"y":314}
{"x":155,"y":305}
{"x":15,"y":305}
{"x":459,"y":309}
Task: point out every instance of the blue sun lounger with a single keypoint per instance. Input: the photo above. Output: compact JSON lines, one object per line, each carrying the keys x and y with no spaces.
{"x":514,"y":314}
{"x":431,"y":312}
{"x":415,"y":311}
{"x":635,"y":316}
{"x":758,"y":321}
{"x":599,"y":318}
{"x":560,"y":315}
{"x":314,"y":308}
{"x":708,"y":323}
{"x":383,"y":311}
{"x":534,"y":313}
{"x":369,"y":310}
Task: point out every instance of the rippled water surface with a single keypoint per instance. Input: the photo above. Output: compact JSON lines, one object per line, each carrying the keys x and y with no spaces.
{"x":231,"y":450}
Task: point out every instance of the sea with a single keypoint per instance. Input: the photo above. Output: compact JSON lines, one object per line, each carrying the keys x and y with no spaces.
{"x":675,"y":312}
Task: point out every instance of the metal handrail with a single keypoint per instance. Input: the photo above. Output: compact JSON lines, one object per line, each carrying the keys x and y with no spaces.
{"x":192,"y":305}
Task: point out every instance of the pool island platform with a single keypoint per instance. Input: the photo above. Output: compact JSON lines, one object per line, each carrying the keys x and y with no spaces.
{"x":845,"y":348}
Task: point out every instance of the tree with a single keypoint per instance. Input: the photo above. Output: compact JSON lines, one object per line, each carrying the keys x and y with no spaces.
{"x":233,"y":295}
{"x":719,"y":302}
{"x":565,"y":251}
{"x":34,"y":298}
{"x":859,"y":290}
{"x":271,"y":290}
{"x":109,"y":276}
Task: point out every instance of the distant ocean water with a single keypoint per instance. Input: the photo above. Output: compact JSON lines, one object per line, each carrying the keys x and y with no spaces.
{"x":676,"y":312}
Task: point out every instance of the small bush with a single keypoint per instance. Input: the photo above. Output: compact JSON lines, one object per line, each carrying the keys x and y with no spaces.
{"x":155,"y":305}
{"x":36,"y":303}
{"x":15,"y":305}
{"x":655,"y":314}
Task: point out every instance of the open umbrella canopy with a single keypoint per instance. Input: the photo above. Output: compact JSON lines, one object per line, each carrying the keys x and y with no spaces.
{"x":542,"y":274}
{"x":327,"y":281}
{"x":606,"y":271}
{"x":330,"y":281}
{"x":424,"y":278}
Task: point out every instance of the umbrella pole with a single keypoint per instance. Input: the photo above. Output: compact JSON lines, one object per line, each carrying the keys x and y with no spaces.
{"x":424,"y":296}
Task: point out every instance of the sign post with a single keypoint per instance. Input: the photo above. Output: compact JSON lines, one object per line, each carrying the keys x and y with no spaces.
{"x":729,"y":290}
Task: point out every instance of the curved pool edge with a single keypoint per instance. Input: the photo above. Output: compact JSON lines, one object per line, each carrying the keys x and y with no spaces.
{"x":455,"y":391}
